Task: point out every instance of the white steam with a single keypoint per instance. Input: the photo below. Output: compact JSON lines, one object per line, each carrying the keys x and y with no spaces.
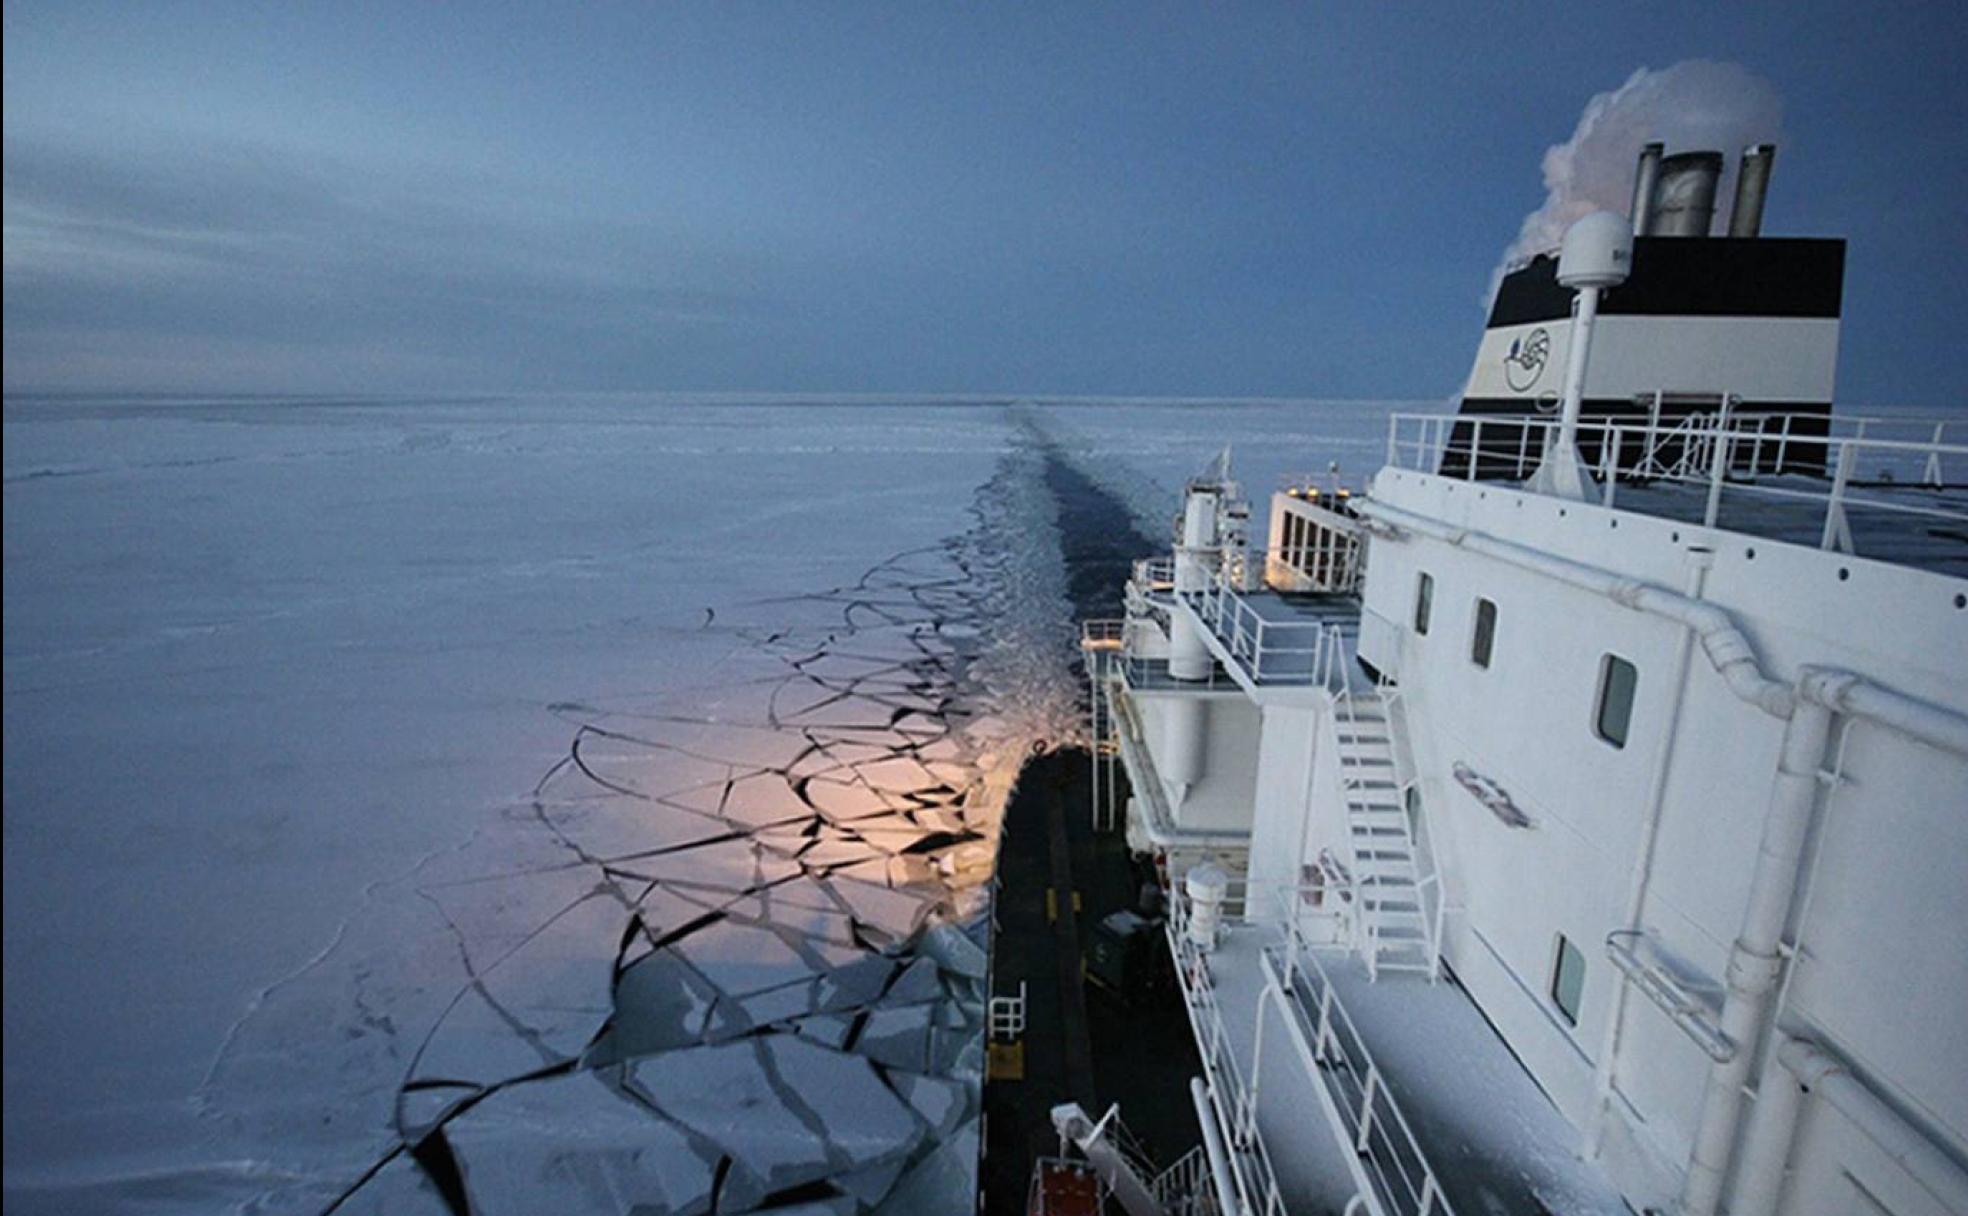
{"x":1694,"y":105}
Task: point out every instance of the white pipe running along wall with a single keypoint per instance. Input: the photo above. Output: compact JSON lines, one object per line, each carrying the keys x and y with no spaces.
{"x":1221,"y":1180}
{"x":1189,"y":655}
{"x":1812,"y":1069}
{"x":1754,"y":961}
{"x":1727,"y":650}
{"x":1159,"y":822}
{"x":1185,"y":738}
{"x":1755,"y":965}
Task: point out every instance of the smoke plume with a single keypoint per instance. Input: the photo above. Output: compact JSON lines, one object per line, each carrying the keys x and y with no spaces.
{"x":1695,"y":104}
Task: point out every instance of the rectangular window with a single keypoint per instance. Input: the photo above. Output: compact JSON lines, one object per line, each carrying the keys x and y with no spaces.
{"x":1568,"y":980}
{"x":1617,"y":680}
{"x":1484,"y":640}
{"x":1424,"y":602}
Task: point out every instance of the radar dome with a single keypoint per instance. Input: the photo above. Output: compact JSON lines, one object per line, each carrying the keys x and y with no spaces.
{"x":1598,"y":251}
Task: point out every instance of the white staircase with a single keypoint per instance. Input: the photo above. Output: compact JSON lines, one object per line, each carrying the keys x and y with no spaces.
{"x":1399,"y":891}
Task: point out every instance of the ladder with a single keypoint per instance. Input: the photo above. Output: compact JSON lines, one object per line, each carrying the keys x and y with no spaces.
{"x":1397,"y":928}
{"x":1102,"y":645}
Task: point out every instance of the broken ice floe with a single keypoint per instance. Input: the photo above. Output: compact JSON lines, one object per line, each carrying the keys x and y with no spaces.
{"x":730,"y":956}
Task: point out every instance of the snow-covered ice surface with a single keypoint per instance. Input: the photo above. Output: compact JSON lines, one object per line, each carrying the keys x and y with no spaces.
{"x":386,"y":781}
{"x":539,"y":804}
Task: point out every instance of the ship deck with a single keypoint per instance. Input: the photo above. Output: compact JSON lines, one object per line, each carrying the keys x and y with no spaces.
{"x":1907,"y":525}
{"x":1496,"y":1142}
{"x":1278,"y":639}
{"x":1889,"y":488}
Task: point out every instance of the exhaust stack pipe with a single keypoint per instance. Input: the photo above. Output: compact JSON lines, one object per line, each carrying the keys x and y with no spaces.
{"x":1752,"y":185}
{"x":1684,"y":195}
{"x":1644,"y":176}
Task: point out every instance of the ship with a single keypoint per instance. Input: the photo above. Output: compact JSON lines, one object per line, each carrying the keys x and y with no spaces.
{"x":1573,"y":816}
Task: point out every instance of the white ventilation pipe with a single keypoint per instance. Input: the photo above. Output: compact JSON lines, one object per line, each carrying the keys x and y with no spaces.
{"x":1189,"y":654}
{"x":1755,"y":964}
{"x":1221,"y":1180}
{"x":1207,"y":887}
{"x":1185,"y":740}
{"x":1811,"y":1068}
{"x":1724,"y":645}
{"x":1722,"y":641}
{"x":1158,"y":824}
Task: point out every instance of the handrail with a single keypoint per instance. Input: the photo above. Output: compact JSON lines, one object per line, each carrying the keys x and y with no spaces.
{"x":1380,"y":1131}
{"x":1846,"y":464}
{"x":1256,"y":1180}
{"x":1107,"y":633}
{"x":1428,"y":874}
{"x":1251,"y":638}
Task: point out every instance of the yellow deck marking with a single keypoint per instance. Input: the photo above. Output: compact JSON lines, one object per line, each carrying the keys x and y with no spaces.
{"x":1006,"y":1061}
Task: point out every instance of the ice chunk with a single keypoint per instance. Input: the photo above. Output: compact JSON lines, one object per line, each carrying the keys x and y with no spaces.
{"x":897,"y":1036}
{"x":916,"y":983}
{"x":954,"y":950}
{"x":762,"y":800}
{"x":400,"y":1188}
{"x":862,"y":1119}
{"x":856,"y":984}
{"x":778,"y":1004}
{"x":660,"y":1004}
{"x":846,"y":802}
{"x":870,"y":1185}
{"x":826,"y":1029}
{"x":941,"y":1102}
{"x":421,"y":1107}
{"x":740,"y":958}
{"x":725,"y":1095}
{"x":479,"y":1043}
{"x":890,"y":913}
{"x":569,"y":1144}
{"x":945,"y":1180}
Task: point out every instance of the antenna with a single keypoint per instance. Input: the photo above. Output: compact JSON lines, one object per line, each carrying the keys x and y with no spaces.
{"x":1597,"y":254}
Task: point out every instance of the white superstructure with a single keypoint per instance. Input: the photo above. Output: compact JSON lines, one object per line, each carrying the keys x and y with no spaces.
{"x":1592,"y":845}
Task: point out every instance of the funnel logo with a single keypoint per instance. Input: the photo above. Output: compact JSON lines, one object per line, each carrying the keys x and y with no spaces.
{"x":1525,"y":362}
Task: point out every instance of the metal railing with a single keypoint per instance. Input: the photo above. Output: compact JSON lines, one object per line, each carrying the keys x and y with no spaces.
{"x":1107,"y":633}
{"x":1007,"y":1015}
{"x":1359,"y":1104}
{"x":1232,"y":1099}
{"x":1279,"y":651}
{"x":1838,"y":465}
{"x":1369,"y":1117}
{"x":1184,"y":1188}
{"x":1038,"y":1198}
{"x":1425,"y":875}
{"x":1319,"y":550}
{"x":1422,"y":831}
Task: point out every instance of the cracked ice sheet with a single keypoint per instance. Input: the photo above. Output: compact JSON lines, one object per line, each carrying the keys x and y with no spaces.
{"x":894,"y":667}
{"x":570,"y":1144}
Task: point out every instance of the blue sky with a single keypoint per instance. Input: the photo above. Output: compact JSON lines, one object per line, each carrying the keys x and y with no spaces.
{"x":1255,"y":199}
